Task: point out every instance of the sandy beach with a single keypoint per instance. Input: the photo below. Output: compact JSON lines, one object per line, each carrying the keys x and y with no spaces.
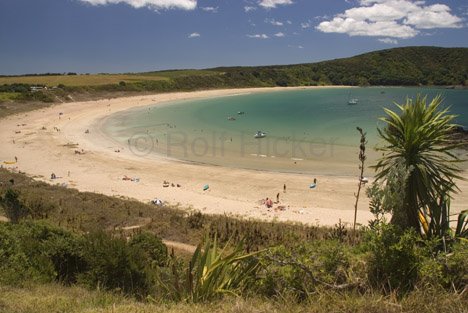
{"x":55,"y":140}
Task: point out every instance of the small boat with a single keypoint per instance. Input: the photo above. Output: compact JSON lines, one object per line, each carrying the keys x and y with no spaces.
{"x":260,"y":134}
{"x":241,"y":113}
{"x":353,"y":101}
{"x":231,"y":118}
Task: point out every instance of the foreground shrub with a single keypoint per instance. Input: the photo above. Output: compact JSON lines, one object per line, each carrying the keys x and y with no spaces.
{"x":445,"y":269}
{"x":13,"y":206}
{"x":212,"y":272}
{"x":112,"y":264}
{"x":151,"y":247}
{"x":15,"y":266}
{"x":306,"y":268}
{"x":38,"y":252}
{"x":393,"y":258}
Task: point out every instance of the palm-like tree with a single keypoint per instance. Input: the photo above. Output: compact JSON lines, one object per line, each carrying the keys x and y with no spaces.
{"x":419,"y":137}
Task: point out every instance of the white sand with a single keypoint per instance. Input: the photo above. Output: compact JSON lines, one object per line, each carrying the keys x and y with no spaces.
{"x":232,"y":191}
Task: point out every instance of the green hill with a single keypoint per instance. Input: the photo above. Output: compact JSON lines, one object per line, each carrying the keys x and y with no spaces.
{"x":407,"y":66}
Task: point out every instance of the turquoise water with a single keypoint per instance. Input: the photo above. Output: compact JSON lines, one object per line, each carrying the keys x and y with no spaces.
{"x":308,"y":131}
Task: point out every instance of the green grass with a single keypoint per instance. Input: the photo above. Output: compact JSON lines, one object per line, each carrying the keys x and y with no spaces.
{"x":8,"y":96}
{"x":56,"y":298}
{"x":79,"y":80}
{"x":101,"y":79}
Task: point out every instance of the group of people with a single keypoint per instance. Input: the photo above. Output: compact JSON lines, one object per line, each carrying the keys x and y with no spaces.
{"x":269,"y":203}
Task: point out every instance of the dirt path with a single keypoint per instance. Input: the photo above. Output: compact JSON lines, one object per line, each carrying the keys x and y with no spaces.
{"x":180,"y":246}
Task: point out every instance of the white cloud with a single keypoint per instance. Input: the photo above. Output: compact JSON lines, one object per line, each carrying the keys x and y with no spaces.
{"x":434,"y":16}
{"x":152,"y":4}
{"x":297,"y":47}
{"x":194,"y":35}
{"x":258,"y":36}
{"x":289,"y":22}
{"x":305,"y":25}
{"x":280,"y":34}
{"x":391,"y":18}
{"x":210,"y":9}
{"x":247,"y":9}
{"x":272,"y":21}
{"x":388,"y":41}
{"x":363,"y":28}
{"x":271,"y":4}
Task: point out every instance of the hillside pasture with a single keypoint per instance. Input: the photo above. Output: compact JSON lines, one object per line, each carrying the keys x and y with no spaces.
{"x":100,"y":79}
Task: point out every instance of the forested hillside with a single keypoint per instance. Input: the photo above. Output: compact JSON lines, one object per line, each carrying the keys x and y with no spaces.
{"x":409,"y":66}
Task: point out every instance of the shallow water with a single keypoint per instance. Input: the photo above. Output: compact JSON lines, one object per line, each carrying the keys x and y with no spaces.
{"x":308,"y":131}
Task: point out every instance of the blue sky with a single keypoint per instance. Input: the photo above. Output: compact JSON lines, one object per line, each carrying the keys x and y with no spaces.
{"x":92,"y":36}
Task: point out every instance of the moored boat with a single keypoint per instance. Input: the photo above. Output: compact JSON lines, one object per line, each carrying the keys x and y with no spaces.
{"x":260,"y":134}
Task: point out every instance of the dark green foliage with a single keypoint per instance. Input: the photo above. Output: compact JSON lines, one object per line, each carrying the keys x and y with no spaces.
{"x":35,"y":251}
{"x":15,"y":266}
{"x":393,"y":258}
{"x":306,"y":269}
{"x":38,"y":251}
{"x":212,"y":272}
{"x":152,"y":249}
{"x":13,"y":206}
{"x":113,"y":264}
{"x":408,"y":66}
{"x":20,"y":88}
{"x":418,"y":136}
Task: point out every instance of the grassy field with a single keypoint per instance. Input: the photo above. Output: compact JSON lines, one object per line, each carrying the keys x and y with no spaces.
{"x":57,"y":298}
{"x":99,"y":79}
{"x":8,"y":96}
{"x":77,"y":80}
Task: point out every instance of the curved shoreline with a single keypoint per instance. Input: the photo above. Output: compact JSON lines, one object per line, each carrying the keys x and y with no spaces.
{"x":232,"y":191}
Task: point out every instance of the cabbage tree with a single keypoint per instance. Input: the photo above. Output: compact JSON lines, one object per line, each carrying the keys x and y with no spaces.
{"x":418,"y":136}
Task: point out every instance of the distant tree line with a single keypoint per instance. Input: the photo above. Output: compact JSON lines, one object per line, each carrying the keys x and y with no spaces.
{"x":409,"y":66}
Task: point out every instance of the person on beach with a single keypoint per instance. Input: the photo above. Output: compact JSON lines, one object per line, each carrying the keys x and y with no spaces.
{"x":284,"y":188}
{"x":268,"y":203}
{"x":277,"y":197}
{"x":16,"y":158}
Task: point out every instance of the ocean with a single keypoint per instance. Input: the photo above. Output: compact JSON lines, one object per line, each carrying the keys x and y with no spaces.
{"x":311,"y":131}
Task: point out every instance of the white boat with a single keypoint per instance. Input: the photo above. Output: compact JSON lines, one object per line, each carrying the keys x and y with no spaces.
{"x":231,"y":118}
{"x":260,"y":134}
{"x":352,"y":101}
